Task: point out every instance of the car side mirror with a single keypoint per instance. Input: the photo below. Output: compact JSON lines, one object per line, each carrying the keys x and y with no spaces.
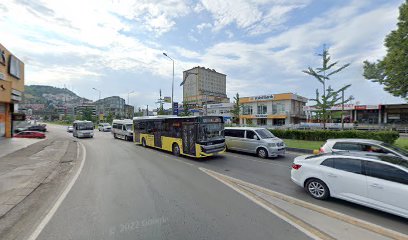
{"x":256,"y":137}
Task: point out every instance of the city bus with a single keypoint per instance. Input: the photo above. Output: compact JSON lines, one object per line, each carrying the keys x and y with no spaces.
{"x":122,"y":129}
{"x":199,"y":136}
{"x":83,"y":129}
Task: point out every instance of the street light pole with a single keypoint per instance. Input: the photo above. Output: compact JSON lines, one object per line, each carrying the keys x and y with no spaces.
{"x":129,"y":102}
{"x":172,"y":83}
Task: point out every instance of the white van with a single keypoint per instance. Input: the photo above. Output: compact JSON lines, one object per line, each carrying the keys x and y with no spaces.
{"x":254,"y":140}
{"x":83,"y":129}
{"x":122,"y":129}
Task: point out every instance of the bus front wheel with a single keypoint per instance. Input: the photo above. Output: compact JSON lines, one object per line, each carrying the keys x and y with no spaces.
{"x":176,"y":150}
{"x":143,"y":142}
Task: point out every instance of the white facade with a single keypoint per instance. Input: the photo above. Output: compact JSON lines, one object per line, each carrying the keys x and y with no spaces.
{"x":204,"y":85}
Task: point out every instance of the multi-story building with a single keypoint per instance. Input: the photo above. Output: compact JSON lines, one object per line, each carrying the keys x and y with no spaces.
{"x":80,"y":109}
{"x":129,"y":111}
{"x":11,"y":88}
{"x":221,"y":109}
{"x":273,"y":109}
{"x":204,"y":86}
{"x":114,"y":105}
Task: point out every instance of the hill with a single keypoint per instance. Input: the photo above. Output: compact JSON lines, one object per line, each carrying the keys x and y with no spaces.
{"x":51,"y":96}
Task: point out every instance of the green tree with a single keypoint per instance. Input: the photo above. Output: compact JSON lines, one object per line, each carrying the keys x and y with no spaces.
{"x":392,"y":70}
{"x":87,"y":114}
{"x":328,"y":96}
{"x":185,"y":111}
{"x":236,"y":110}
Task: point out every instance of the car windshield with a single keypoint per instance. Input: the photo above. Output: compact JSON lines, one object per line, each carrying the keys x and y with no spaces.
{"x":401,"y":151}
{"x":263,"y":133}
{"x":85,"y":126}
{"x":105,"y":124}
{"x":210,"y":131}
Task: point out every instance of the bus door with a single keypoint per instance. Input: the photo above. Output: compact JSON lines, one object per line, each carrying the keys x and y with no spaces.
{"x":189,"y":136}
{"x":157,"y":132}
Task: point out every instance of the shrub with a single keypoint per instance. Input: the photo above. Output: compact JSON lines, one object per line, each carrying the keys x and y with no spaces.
{"x":323,"y":135}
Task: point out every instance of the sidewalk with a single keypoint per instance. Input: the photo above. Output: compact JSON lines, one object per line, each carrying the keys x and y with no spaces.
{"x":9,"y":145}
{"x":27,"y":166}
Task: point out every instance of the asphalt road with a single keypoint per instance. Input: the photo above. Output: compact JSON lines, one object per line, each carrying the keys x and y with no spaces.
{"x":130,"y":192}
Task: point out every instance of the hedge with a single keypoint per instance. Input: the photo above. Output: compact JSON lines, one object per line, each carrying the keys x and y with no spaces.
{"x":323,"y":135}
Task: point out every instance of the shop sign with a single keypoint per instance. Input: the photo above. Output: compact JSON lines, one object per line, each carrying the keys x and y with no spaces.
{"x":261,"y":115}
{"x":262,"y":97}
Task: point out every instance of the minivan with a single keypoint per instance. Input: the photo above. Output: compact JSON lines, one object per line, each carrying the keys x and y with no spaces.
{"x":259,"y":141}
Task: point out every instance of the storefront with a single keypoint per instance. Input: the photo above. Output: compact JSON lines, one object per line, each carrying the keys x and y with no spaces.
{"x":11,"y":89}
{"x":272,"y":109}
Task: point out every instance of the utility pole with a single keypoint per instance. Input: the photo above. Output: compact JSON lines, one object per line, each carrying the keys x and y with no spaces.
{"x":342,"y":109}
{"x":147,"y":110}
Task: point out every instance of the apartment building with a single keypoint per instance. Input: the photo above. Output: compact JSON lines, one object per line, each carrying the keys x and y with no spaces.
{"x":11,"y":90}
{"x":114,"y":105}
{"x":273,"y":109}
{"x":204,"y":86}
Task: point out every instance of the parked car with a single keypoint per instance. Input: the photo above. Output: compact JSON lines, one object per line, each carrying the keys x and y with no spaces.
{"x":29,"y":134}
{"x":70,"y":129}
{"x":363,"y":145}
{"x":104,"y":127}
{"x":255,"y":140}
{"x":376,"y":181}
{"x":37,"y":128}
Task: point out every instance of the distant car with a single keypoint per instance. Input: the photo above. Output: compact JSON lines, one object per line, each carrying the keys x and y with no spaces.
{"x":29,"y":134}
{"x":254,"y":140}
{"x":70,"y":129}
{"x":362,"y":145}
{"x":104,"y":127}
{"x":376,"y":181}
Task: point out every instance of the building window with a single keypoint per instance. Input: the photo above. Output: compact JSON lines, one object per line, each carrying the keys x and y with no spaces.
{"x":262,"y":109}
{"x":261,"y":121}
{"x":278,"y":108}
{"x":247,"y":110}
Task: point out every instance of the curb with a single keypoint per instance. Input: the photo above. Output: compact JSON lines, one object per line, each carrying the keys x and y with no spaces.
{"x":300,"y":150}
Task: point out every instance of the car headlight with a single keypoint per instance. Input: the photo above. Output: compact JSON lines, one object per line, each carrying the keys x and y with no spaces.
{"x":271,"y":144}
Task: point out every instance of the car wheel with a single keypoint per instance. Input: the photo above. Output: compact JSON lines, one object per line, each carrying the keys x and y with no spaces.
{"x":262,"y":153}
{"x":317,"y":189}
{"x":114,"y":136}
{"x":176,"y":150}
{"x":126,"y":138}
{"x":144,"y":142}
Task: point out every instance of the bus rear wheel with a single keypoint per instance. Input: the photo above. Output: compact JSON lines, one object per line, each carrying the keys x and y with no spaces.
{"x":143,"y":142}
{"x":176,"y":150}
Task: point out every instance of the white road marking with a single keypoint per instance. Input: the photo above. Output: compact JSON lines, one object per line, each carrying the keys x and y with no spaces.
{"x":61,"y":198}
{"x":235,"y":184}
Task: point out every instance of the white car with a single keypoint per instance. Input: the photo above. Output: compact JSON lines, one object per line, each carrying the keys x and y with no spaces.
{"x":363,"y":145}
{"x":376,"y":181}
{"x":70,"y":129}
{"x":104,"y":127}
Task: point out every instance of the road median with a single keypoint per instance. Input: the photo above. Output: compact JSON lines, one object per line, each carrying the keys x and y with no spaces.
{"x":23,"y":171}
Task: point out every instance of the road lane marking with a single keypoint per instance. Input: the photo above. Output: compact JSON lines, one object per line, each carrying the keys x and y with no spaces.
{"x":279,"y":212}
{"x":60,"y":199}
{"x":236,"y":183}
{"x":253,"y":160}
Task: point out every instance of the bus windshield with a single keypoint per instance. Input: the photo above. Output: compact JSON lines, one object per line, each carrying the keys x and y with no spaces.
{"x":85,"y":126}
{"x":210,"y":131}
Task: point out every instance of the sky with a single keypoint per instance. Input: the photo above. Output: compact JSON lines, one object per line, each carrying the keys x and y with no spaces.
{"x":262,"y":46}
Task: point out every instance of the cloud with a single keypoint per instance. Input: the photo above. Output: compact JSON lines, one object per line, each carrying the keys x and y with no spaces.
{"x":256,"y":17}
{"x":202,"y":26}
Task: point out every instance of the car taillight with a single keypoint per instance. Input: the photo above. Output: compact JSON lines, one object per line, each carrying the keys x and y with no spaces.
{"x":296,"y":166}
